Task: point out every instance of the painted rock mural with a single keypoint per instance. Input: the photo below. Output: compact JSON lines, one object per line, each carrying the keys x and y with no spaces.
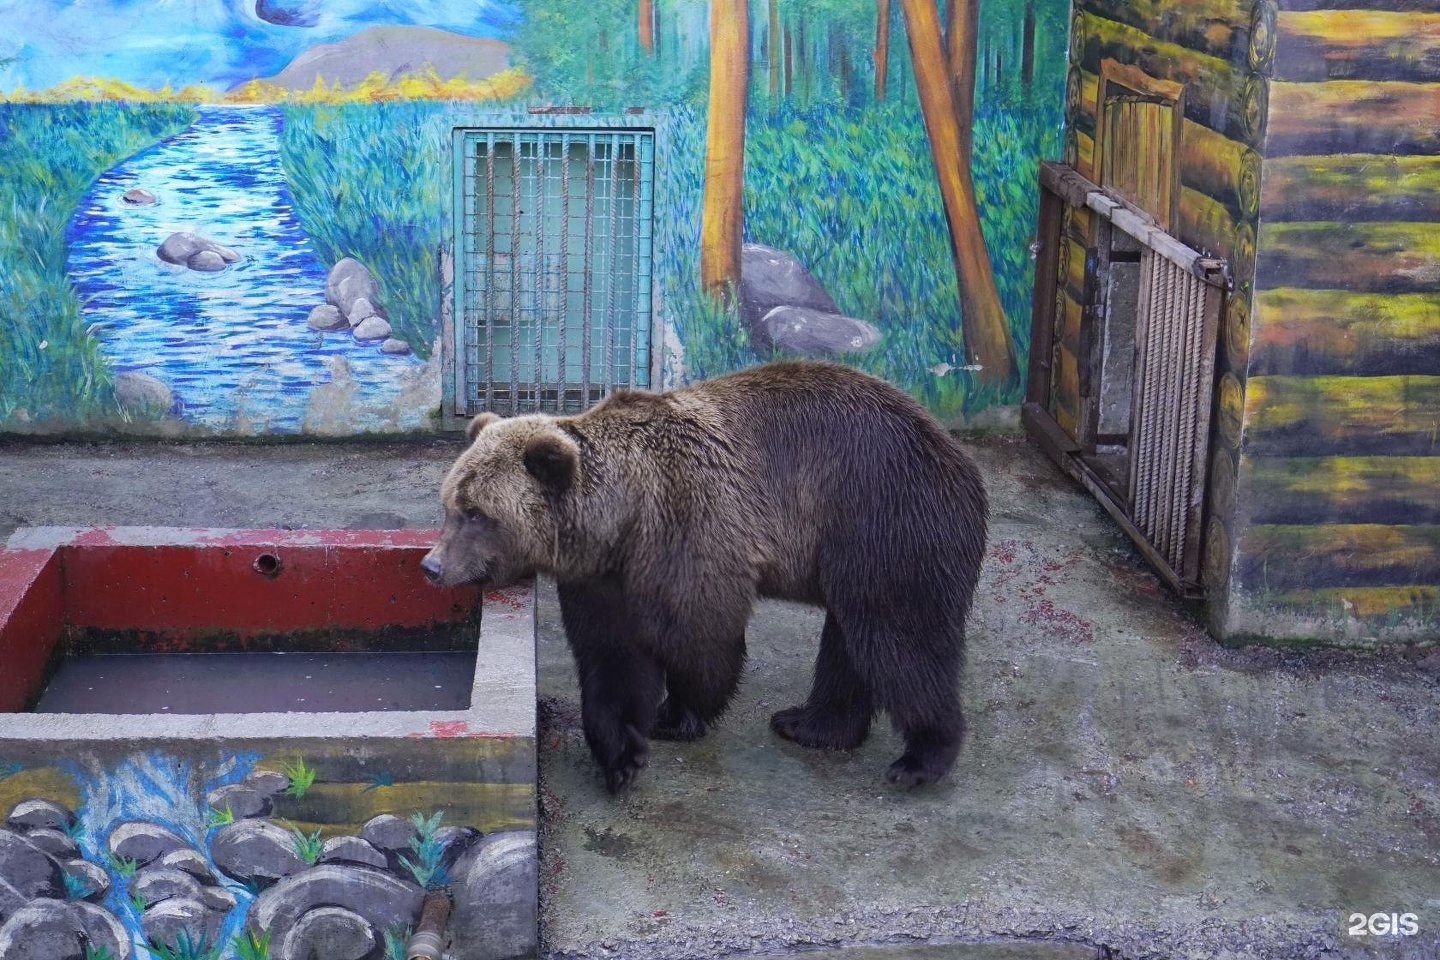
{"x":183,"y":188}
{"x":103,"y":862}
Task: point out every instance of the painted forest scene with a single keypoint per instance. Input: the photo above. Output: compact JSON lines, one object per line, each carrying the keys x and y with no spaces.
{"x":180,"y":215}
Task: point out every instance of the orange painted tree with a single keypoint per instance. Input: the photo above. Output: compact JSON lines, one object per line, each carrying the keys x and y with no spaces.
{"x":882,"y":46}
{"x":982,"y":319}
{"x":722,"y":214}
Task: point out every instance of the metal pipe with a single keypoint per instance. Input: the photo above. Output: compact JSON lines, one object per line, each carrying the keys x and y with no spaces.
{"x":428,"y":940}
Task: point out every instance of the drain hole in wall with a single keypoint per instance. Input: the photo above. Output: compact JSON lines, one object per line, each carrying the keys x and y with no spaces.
{"x":267,"y":565}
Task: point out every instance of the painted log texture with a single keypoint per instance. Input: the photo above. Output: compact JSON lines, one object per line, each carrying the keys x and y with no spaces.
{"x":1393,"y":605}
{"x":1289,"y":416}
{"x":1218,"y":28}
{"x":1353,"y":116}
{"x":1301,"y":557}
{"x":1362,"y":257}
{"x":1384,"y":490}
{"x":1351,"y":187}
{"x":1336,"y":332}
{"x":1314,"y":45}
{"x":1215,"y":89}
{"x":1395,"y":6}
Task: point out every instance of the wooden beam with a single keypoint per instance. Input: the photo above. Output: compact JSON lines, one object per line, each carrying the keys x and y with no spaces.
{"x":1351,"y":187}
{"x":1361,"y":257}
{"x":1386,"y":490}
{"x":1352,"y":116}
{"x":1213,"y":27}
{"x":1395,"y":605}
{"x":1288,"y":416}
{"x":1294,"y":556}
{"x":1313,"y":45}
{"x":1297,"y":331}
{"x":1215,"y":87}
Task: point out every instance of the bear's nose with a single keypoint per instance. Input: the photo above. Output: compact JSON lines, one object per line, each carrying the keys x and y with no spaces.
{"x":432,"y":568}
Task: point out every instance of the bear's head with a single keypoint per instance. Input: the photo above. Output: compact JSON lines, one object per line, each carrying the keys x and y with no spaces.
{"x":502,"y":501}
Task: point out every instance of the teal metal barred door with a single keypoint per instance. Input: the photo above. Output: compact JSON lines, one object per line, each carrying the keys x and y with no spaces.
{"x":553,"y":267}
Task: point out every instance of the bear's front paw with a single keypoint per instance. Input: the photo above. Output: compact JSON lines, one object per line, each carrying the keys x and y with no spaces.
{"x":622,"y":760}
{"x":913,"y":771}
{"x":677,"y":723}
{"x":810,"y":727}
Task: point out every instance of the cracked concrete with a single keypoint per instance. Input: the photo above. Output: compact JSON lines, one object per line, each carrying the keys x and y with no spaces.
{"x":1128,"y":788}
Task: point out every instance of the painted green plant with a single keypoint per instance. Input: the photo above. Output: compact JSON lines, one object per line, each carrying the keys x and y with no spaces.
{"x":425,"y":865}
{"x":301,"y":777}
{"x":124,"y":866}
{"x":94,"y":952}
{"x":77,"y":886}
{"x":251,"y":945}
{"x":219,"y":818}
{"x":395,"y":940}
{"x":307,"y":845}
{"x":186,"y":947}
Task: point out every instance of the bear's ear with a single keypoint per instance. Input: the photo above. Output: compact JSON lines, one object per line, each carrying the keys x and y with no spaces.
{"x":552,"y":459}
{"x":480,"y":422}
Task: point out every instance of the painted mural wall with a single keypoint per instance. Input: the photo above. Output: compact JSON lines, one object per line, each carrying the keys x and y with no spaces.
{"x":1339,"y":532}
{"x":229,"y":217}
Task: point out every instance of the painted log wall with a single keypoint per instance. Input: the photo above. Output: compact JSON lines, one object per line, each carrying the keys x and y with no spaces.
{"x":1209,"y":47}
{"x":1340,"y":478}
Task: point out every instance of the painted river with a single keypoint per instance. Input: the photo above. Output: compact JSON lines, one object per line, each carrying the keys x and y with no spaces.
{"x":233,"y":345}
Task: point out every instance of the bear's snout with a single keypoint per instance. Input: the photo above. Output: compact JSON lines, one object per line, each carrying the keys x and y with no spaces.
{"x":432,"y":567}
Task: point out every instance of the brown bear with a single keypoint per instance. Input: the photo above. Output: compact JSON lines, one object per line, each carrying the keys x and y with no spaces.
{"x":663,"y":516}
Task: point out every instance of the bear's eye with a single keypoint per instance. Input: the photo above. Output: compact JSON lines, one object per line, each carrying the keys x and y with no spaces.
{"x":475,"y":516}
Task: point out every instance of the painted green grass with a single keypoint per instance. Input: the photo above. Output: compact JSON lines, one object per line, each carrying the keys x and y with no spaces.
{"x":51,"y":362}
{"x":850,"y":191}
{"x":371,"y":181}
{"x":852,"y":194}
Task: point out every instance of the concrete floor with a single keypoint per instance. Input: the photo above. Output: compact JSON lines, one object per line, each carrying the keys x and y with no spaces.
{"x":1128,"y":788}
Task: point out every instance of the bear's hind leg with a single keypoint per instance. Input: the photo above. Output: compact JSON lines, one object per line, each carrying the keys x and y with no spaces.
{"x":838,"y":711}
{"x":620,"y":685}
{"x":699,"y":690}
{"x":915,"y":674}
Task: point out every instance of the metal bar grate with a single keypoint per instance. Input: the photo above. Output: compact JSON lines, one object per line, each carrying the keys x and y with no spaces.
{"x":553,"y":277}
{"x":1151,"y":337}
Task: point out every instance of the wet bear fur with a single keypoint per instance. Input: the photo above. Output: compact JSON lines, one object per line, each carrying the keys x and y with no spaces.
{"x":663,"y":517}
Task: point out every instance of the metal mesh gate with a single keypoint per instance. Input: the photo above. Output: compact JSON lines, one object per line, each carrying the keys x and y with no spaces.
{"x":553,"y":267}
{"x":1122,"y":365}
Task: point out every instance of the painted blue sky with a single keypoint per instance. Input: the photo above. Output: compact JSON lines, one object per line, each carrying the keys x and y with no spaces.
{"x":218,"y":42}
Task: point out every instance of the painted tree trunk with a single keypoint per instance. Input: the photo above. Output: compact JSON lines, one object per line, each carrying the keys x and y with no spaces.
{"x":882,"y":47}
{"x":962,"y":32}
{"x":772,"y":43}
{"x":987,"y":340}
{"x":647,"y":26}
{"x":722,"y":216}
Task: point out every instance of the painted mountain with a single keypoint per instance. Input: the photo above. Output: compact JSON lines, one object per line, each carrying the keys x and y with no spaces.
{"x":395,"y":51}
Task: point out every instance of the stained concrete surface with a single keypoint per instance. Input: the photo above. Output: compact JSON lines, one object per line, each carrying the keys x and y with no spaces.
{"x":1128,"y":789}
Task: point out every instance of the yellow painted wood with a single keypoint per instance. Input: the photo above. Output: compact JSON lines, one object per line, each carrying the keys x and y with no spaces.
{"x":1403,"y":605}
{"x":1343,"y":489}
{"x":1206,"y":26}
{"x":1318,"y":416}
{"x":1208,"y":80}
{"x":1359,"y":256}
{"x":1298,"y":556}
{"x":1352,"y":116}
{"x":1314,"y":45}
{"x":1205,"y":224}
{"x":1351,"y":187}
{"x":1336,"y":331}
